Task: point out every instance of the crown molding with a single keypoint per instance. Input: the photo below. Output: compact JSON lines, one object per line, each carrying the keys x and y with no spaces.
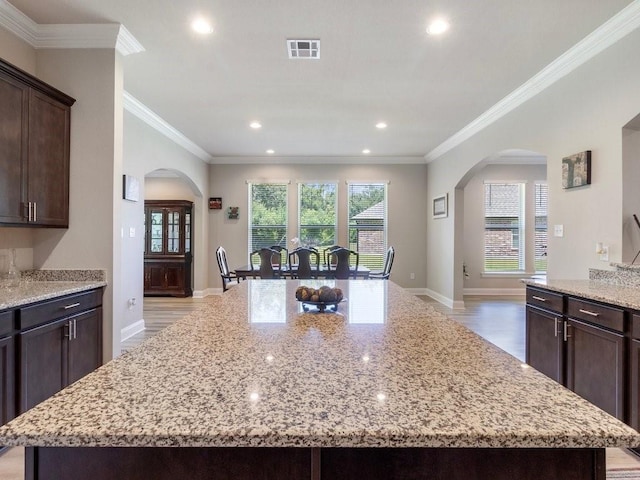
{"x":103,"y":35}
{"x":140,"y":110}
{"x":617,"y":27}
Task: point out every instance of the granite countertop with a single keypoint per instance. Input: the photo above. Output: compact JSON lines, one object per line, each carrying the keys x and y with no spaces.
{"x":36,"y":286}
{"x":252,"y":369}
{"x":623,"y":296}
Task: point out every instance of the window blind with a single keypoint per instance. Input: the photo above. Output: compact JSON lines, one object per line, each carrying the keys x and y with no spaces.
{"x":504,"y":227}
{"x":541,"y":233}
{"x":317,"y":214}
{"x":268,"y":215}
{"x":367,"y":207}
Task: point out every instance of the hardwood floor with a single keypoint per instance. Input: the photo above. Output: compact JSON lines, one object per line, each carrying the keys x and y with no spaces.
{"x":501,"y":320}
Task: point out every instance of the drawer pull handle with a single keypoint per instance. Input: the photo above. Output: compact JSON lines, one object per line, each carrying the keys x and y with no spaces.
{"x":555,"y":326}
{"x":540,"y":299}
{"x":566,"y":331}
{"x":587,"y":312}
{"x":73,"y":305}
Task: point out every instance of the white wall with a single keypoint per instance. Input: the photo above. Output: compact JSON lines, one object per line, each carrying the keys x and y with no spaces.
{"x":147,"y":150}
{"x":89,"y":76}
{"x":631,"y":190}
{"x":585,"y":110}
{"x":407,"y":209}
{"x":474,"y":224}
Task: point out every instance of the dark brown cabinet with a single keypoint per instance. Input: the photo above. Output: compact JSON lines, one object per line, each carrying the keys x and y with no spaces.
{"x":595,"y":366}
{"x":60,"y":342}
{"x":634,"y":373}
{"x":7,"y":368}
{"x":168,"y":248}
{"x":35,"y":123}
{"x":582,"y":345}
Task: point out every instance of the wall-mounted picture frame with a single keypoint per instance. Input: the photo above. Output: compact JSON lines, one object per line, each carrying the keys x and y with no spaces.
{"x":576,"y":170}
{"x":233,"y":213}
{"x":215,"y":203}
{"x":130,"y":188}
{"x":441,"y":206}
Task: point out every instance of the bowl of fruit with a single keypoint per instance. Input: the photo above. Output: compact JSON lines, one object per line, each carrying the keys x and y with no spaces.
{"x":320,"y":299}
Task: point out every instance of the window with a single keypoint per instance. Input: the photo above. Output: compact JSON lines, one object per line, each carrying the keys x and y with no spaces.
{"x":540,"y":244}
{"x":268,"y":215}
{"x":368,"y":222}
{"x":504,"y":227}
{"x":317,"y":214}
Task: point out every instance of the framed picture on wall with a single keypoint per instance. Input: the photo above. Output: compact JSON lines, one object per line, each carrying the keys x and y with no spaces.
{"x":576,"y":170}
{"x":130,"y":188}
{"x":440,"y":206}
{"x":215,"y":203}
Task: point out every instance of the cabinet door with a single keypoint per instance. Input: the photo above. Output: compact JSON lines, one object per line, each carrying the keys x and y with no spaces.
{"x":595,"y":366}
{"x":174,"y":277}
{"x":634,"y":384}
{"x":48,"y":186}
{"x":85,"y":346}
{"x":155,"y":276}
{"x":43,"y":362}
{"x":14,"y":103}
{"x":544,"y":343}
{"x":7,"y":380}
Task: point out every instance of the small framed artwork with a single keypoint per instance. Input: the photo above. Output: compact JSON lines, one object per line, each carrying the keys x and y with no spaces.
{"x":130,"y":188}
{"x":233,"y":213}
{"x":576,"y":170}
{"x":215,"y":203}
{"x":440,"y":206}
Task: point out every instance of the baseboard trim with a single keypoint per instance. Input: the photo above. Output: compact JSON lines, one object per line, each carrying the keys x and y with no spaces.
{"x":447,"y":302}
{"x":207,"y":292}
{"x":131,"y":330}
{"x":519,"y":292}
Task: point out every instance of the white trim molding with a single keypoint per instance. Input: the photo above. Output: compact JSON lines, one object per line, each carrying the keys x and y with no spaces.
{"x":131,"y":330}
{"x":447,"y":302}
{"x":140,"y":110}
{"x":490,"y":292}
{"x":617,"y":27}
{"x":102,"y":35}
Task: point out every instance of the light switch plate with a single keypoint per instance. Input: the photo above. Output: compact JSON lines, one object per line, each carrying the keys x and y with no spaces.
{"x":132,"y":232}
{"x":558,"y":230}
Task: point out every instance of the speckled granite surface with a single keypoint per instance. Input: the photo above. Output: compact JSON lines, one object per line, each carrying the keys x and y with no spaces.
{"x":36,"y":286}
{"x":255,"y":370}
{"x":608,"y":292}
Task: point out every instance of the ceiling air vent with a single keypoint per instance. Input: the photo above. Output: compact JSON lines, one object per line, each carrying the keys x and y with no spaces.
{"x":306,"y":49}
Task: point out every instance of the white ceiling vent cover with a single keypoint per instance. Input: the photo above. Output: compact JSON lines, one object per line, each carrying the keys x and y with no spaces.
{"x":306,"y":49}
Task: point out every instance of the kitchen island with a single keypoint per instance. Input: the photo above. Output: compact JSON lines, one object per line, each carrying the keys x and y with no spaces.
{"x":253,"y":386}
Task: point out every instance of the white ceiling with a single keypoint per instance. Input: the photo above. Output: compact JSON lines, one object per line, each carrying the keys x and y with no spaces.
{"x":377,"y":63}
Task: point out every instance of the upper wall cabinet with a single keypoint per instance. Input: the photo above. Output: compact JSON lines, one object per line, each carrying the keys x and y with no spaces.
{"x":35,"y":123}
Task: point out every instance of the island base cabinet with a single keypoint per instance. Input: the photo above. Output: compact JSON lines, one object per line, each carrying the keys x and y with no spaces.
{"x":7,"y":380}
{"x":135,"y":463}
{"x":56,"y":354}
{"x":595,"y":366}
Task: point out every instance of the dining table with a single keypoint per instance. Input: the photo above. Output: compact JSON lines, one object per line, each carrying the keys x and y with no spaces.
{"x":289,"y":271}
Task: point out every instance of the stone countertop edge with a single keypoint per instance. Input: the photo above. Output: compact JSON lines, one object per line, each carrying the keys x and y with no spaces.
{"x":189,"y":385}
{"x":49,"y":284}
{"x":627,"y":297}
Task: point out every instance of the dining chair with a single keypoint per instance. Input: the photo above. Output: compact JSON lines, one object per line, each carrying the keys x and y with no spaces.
{"x":226,"y":275}
{"x":303,"y":258}
{"x":326,"y":252}
{"x":270,"y":263}
{"x":385,"y":273}
{"x":342,"y":267}
{"x":283,"y":253}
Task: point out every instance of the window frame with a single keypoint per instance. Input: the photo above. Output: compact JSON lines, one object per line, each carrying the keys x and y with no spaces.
{"x":251,"y":184}
{"x":300,"y":226}
{"x":365,"y":258}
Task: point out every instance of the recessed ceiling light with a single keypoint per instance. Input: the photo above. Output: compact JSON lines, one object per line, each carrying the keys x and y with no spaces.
{"x":366,"y":151}
{"x":438,"y":27}
{"x":200,"y":25}
{"x":271,"y":151}
{"x":381,"y":125}
{"x":255,"y":125}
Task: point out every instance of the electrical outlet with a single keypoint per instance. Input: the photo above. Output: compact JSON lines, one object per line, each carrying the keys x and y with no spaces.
{"x":132,"y":302}
{"x":558,"y":230}
{"x":412,"y":276}
{"x":132,"y":232}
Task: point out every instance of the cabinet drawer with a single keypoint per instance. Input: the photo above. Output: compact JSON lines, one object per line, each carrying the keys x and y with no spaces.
{"x":6,"y":322}
{"x":606,"y":316}
{"x":58,"y":308}
{"x":545,"y":299}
